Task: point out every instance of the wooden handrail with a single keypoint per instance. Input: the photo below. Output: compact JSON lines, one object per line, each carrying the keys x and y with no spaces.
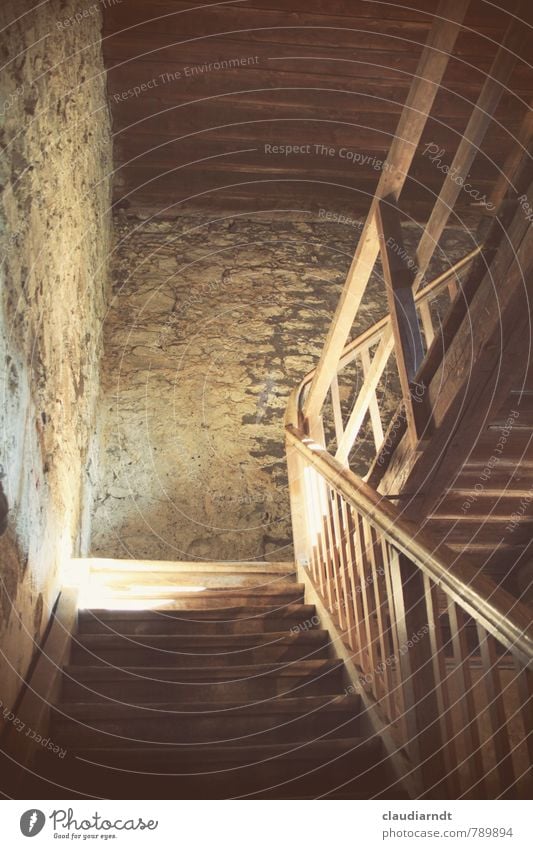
{"x":507,"y":619}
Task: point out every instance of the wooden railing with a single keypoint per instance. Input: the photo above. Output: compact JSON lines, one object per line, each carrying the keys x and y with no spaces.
{"x":342,"y":421}
{"x":445,"y":653}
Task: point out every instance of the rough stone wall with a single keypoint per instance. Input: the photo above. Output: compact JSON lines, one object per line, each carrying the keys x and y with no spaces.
{"x":211,"y":326}
{"x":54,"y":242}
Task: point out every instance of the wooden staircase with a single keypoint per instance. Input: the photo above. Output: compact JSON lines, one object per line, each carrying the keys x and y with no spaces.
{"x":206,"y":681}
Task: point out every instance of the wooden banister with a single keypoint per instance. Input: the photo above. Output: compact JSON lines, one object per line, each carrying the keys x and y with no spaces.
{"x":430,"y":634}
{"x":500,"y":613}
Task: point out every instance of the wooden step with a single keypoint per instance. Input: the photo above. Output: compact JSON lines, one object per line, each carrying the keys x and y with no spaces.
{"x":154,"y":575}
{"x":272,"y":598}
{"x":516,"y":447}
{"x":459,"y":502}
{"x":500,"y":478}
{"x":166,"y":650}
{"x":239,"y":619}
{"x":279,"y":719}
{"x":355,"y":767}
{"x":236,"y":683}
{"x":182,"y":567}
{"x":475,"y":531}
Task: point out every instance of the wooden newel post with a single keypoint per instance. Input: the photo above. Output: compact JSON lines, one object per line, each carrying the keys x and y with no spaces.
{"x":297,"y":497}
{"x":417,"y":679}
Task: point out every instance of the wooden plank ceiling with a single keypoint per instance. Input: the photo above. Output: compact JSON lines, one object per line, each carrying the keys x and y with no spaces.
{"x":204,"y":97}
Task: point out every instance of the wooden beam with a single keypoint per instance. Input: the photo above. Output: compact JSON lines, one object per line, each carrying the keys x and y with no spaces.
{"x":360,"y":408}
{"x":399,"y":276}
{"x":429,"y":74}
{"x":469,"y":146}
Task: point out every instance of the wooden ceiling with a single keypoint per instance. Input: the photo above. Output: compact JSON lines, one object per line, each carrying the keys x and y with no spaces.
{"x":205,"y":100}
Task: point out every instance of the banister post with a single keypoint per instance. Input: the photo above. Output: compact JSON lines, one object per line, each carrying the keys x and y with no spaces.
{"x":417,"y":680}
{"x":295,"y":467}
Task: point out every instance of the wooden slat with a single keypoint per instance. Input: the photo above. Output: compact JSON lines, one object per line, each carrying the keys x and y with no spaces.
{"x":525,"y":691}
{"x":337,"y":412}
{"x":466,"y":707}
{"x":371,"y":659}
{"x":417,"y":678}
{"x":398,"y":691}
{"x":370,"y":383}
{"x":496,"y":712}
{"x":399,"y":278}
{"x":333,"y":559}
{"x":427,"y":322}
{"x":431,"y":68}
{"x":381,"y":608}
{"x":347,"y":601}
{"x":442,"y":687}
{"x":373,"y":408}
{"x":355,"y":585}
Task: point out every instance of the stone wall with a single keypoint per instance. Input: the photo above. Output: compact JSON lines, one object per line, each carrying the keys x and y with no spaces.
{"x":54,"y":242}
{"x":211,"y":326}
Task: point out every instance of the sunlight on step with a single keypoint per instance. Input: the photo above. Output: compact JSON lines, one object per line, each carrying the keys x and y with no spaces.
{"x":134,"y":597}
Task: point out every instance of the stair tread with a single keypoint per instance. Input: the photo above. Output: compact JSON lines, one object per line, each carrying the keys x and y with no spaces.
{"x":197,"y":640}
{"x":278,"y":704}
{"x":273,"y":588}
{"x":128,"y":673}
{"x":255,"y":612}
{"x":110,"y":565}
{"x":313,"y":750}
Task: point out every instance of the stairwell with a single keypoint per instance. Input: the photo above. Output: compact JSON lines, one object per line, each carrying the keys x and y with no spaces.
{"x":208,"y":680}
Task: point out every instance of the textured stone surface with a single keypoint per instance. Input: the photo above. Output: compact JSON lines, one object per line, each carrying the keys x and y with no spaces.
{"x":212,"y":325}
{"x":54,"y":241}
